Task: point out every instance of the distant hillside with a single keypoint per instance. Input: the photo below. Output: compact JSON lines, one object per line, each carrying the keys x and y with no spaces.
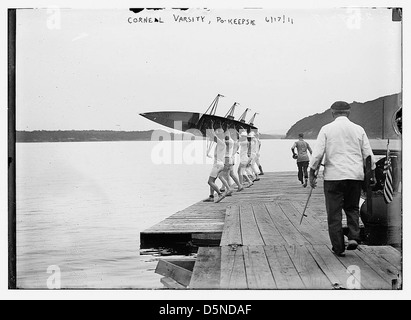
{"x":102,"y":135}
{"x":90,"y":135}
{"x":369,"y":115}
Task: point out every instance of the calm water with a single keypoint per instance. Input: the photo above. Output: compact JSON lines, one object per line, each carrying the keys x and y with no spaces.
{"x":81,"y":206}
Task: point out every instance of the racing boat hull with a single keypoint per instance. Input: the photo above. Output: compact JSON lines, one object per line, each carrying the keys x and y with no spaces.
{"x":195,"y":122}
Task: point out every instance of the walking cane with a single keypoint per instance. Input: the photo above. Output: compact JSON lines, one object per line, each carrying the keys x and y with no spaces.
{"x":309,"y":195}
{"x":306,"y":204}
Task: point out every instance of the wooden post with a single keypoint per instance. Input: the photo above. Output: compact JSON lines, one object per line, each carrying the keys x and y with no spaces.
{"x":12,"y":269}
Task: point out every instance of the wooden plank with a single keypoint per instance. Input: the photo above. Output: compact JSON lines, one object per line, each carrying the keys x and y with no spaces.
{"x":384,"y":269}
{"x":185,"y":222}
{"x":185,"y":263}
{"x":205,"y":218}
{"x":250,"y":233}
{"x":364,"y":274}
{"x":187,"y":227}
{"x":290,"y":234}
{"x":171,"y":284}
{"x":311,"y":234}
{"x":393,"y":250}
{"x":335,"y":271}
{"x":177,"y":273}
{"x":282,"y":268}
{"x":257,"y":269}
{"x":206,"y":273}
{"x":232,"y":227}
{"x":211,"y":239}
{"x":311,"y":217}
{"x":268,"y":231}
{"x":388,"y":253}
{"x":233,"y":274}
{"x":312,"y":276}
{"x":202,"y":212}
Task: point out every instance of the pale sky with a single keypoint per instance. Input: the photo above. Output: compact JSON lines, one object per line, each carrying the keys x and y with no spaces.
{"x":92,"y":69}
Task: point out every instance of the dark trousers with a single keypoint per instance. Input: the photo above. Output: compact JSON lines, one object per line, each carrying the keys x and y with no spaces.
{"x":302,"y":170}
{"x":339,"y":195}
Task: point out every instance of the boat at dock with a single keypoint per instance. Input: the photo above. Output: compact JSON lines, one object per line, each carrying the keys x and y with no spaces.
{"x":383,"y":221}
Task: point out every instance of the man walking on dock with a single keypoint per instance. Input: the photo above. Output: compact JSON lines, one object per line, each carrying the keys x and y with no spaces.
{"x":302,"y":158}
{"x":244,"y":159}
{"x":252,"y":153}
{"x":345,"y":146}
{"x":257,"y":159}
{"x":231,"y":148}
{"x":218,"y":166}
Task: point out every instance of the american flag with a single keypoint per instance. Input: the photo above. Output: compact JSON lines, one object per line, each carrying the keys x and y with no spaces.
{"x":388,"y":189}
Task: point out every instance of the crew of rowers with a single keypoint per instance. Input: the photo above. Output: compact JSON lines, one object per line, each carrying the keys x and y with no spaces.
{"x":229,"y":143}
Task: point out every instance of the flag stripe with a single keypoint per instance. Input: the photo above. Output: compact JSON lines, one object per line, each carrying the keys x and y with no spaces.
{"x":388,"y":187}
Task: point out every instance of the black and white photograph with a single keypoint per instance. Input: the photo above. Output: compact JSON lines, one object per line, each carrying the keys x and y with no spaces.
{"x":225,"y":149}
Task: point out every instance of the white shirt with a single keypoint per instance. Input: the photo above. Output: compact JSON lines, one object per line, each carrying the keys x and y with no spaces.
{"x":235,"y":149}
{"x":258,"y":142}
{"x":229,"y":150}
{"x":345,"y":146}
{"x":254,"y":147}
{"x":220,"y":151}
{"x":243,"y":150}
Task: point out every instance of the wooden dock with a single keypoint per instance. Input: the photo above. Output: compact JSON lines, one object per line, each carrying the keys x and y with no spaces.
{"x":296,"y":267}
{"x":254,"y":240}
{"x":263,"y":246}
{"x":202,"y":223}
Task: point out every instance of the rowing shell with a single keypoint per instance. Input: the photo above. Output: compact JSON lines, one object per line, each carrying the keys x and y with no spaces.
{"x":191,"y":121}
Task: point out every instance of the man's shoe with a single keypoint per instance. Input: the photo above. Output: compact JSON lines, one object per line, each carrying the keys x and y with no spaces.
{"x":339,"y":254}
{"x":305,"y":184}
{"x":352,"y":245}
{"x":209,"y":199}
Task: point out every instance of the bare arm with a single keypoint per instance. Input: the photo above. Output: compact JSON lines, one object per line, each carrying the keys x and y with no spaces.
{"x":213,"y":134}
{"x":293,"y":148}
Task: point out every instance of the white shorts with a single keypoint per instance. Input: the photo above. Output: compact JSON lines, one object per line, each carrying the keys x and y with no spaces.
{"x":253,"y":159}
{"x":217,"y":168}
{"x":244,"y":160}
{"x":228,"y":161}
